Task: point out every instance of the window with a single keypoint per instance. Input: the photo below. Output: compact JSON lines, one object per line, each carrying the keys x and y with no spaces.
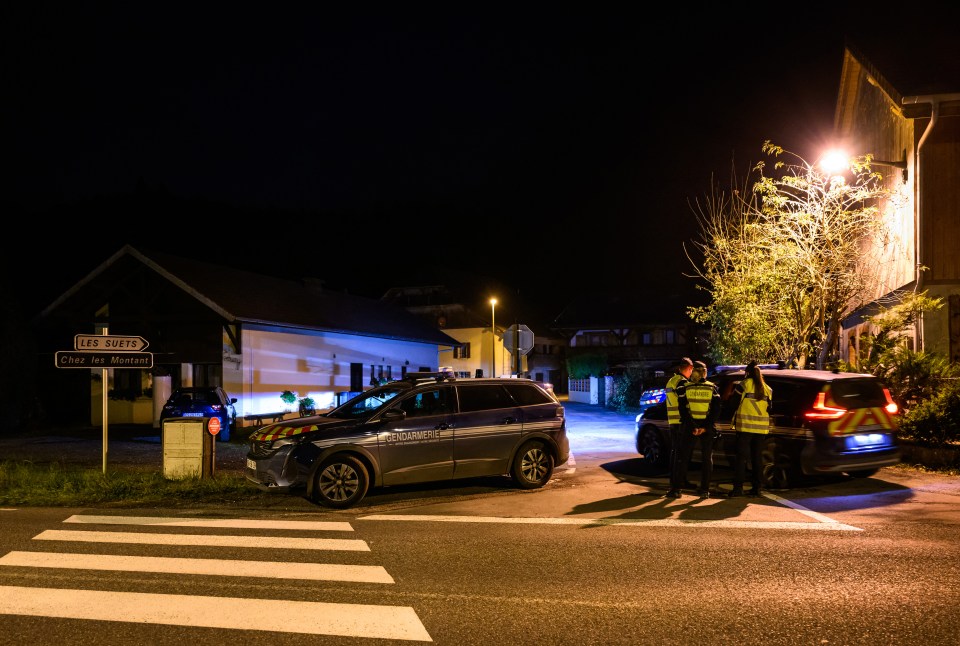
{"x":429,"y":402}
{"x":356,"y":377}
{"x":461,"y":351}
{"x":526,"y":395}
{"x":474,"y":398}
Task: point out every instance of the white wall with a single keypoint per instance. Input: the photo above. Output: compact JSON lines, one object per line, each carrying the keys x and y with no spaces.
{"x":315,"y":364}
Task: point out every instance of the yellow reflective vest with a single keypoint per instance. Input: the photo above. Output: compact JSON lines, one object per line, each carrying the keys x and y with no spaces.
{"x":752,"y":414}
{"x":673,"y":405}
{"x":700,"y":396}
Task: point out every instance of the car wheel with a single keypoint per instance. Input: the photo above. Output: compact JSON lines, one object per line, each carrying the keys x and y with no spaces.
{"x":652,"y":448}
{"x":532,"y":466}
{"x":340,"y":482}
{"x":779,"y":471}
{"x":863,"y":473}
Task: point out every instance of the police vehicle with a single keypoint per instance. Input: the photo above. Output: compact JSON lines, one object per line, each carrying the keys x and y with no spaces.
{"x":426,"y":427}
{"x":821,"y":422}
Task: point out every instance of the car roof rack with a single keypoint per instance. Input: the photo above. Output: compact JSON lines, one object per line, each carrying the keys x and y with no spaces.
{"x":441,"y":375}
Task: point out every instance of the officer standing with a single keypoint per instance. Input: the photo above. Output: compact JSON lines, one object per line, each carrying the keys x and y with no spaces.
{"x":681,"y":374}
{"x":752,"y":424}
{"x":699,"y":402}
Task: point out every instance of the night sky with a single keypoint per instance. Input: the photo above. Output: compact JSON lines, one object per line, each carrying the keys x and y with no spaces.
{"x":541,"y":150}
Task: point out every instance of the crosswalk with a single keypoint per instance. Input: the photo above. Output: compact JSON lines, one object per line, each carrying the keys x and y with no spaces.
{"x":277,"y":615}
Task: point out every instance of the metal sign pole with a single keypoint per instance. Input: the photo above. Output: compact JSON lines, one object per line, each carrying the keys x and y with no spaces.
{"x":103,"y":382}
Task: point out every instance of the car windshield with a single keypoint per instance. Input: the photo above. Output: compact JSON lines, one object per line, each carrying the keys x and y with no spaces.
{"x":367,"y":403}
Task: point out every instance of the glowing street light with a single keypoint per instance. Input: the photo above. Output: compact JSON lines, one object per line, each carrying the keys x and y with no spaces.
{"x":837,"y":161}
{"x":493,"y":337}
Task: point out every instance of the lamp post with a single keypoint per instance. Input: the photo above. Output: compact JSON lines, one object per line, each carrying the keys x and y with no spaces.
{"x":493,"y":337}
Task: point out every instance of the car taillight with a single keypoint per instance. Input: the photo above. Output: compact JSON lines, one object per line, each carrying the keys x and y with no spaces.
{"x":822,"y":411}
{"x":891,"y":406}
{"x":215,"y":408}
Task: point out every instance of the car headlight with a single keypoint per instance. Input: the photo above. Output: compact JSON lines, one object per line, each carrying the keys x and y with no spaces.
{"x":290,"y":440}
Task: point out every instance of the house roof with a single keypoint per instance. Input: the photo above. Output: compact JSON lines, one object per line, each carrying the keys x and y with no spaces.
{"x":604,"y":311}
{"x":912,"y":60}
{"x":240,"y":296}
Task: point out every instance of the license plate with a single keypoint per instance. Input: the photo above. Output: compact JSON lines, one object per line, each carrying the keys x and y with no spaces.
{"x":251,"y":464}
{"x":193,"y":414}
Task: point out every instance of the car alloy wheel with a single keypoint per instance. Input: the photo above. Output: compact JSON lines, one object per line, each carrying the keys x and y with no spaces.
{"x":532,"y":466}
{"x":341,"y":482}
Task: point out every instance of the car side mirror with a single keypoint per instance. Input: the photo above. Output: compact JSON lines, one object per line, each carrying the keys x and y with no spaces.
{"x":233,"y":400}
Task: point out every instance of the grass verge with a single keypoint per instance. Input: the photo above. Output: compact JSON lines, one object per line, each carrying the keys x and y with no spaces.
{"x":24,"y":483}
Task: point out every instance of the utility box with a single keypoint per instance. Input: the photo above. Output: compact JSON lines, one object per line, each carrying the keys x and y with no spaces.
{"x":188,"y":448}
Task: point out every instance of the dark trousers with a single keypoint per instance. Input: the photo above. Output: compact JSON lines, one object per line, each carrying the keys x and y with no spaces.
{"x":679,"y":456}
{"x":706,"y":458}
{"x":749,"y":445}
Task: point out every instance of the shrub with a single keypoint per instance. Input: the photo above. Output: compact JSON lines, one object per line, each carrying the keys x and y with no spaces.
{"x":627,"y":388}
{"x":935,"y":421}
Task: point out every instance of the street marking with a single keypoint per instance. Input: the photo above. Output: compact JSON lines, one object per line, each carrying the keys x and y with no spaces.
{"x":800,"y":508}
{"x":211,"y":567}
{"x":233,"y":523}
{"x":256,"y":542}
{"x":304,"y":617}
{"x":571,"y":464}
{"x":658,"y":522}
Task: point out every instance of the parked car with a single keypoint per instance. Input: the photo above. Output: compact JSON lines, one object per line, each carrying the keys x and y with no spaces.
{"x":652,"y":397}
{"x":203,"y":401}
{"x":822,"y":422}
{"x":425,"y":427}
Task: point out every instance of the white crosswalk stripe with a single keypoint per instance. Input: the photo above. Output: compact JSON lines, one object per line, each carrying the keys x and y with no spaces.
{"x":256,"y":542}
{"x":343,"y":619}
{"x":276,"y":615}
{"x":211,"y":567}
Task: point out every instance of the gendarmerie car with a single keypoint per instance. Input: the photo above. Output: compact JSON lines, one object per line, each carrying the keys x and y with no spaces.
{"x":821,"y":422}
{"x":425,"y":427}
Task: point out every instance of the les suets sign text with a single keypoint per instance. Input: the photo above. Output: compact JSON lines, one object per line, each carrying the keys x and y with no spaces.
{"x":105,"y":351}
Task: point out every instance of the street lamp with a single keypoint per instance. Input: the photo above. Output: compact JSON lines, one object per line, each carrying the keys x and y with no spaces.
{"x":836,"y":160}
{"x":493,"y":337}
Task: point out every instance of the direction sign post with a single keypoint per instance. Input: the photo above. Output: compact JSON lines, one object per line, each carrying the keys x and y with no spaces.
{"x":103,"y":351}
{"x":104,"y":360}
{"x":100,"y":343}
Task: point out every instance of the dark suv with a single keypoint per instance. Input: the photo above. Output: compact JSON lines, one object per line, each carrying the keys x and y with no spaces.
{"x":423,"y":428}
{"x":822,"y":422}
{"x":203,"y":401}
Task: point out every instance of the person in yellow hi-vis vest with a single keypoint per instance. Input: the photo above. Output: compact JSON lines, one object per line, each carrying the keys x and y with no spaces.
{"x":699,"y":409}
{"x":682,"y":372}
{"x":751,"y":421}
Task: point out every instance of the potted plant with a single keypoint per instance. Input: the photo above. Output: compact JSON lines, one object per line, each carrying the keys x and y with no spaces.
{"x":288,"y":398}
{"x":307,"y":406}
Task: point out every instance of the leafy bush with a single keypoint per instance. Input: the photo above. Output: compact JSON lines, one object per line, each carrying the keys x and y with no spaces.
{"x":914,"y":377}
{"x":287,"y":397}
{"x":627,"y":388}
{"x":935,"y":421}
{"x":585,"y":365}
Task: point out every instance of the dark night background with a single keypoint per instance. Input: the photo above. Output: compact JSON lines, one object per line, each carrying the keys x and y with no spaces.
{"x":554,"y":152}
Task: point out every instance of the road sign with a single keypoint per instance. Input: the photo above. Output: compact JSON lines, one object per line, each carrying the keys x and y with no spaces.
{"x":109,"y":343}
{"x":120,"y":359}
{"x":213,"y":425}
{"x":518,"y":337}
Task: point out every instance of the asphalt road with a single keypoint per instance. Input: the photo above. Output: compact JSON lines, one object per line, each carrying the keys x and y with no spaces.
{"x":598,"y":556}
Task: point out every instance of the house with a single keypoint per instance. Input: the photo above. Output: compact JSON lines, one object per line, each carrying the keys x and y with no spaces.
{"x":210,"y":325}
{"x":899,"y":100}
{"x":647,"y":332}
{"x":447,"y":308}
